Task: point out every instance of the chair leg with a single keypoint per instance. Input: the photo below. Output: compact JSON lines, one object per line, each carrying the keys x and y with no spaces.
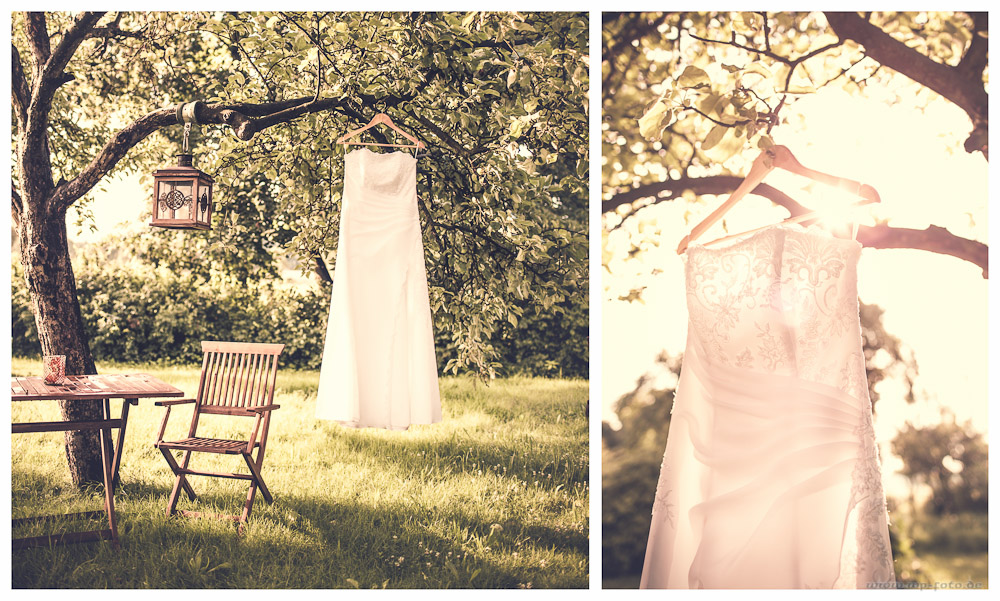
{"x":184,"y":481}
{"x":173,"y":466}
{"x":179,"y":482}
{"x":255,"y":472}
{"x":248,"y":506}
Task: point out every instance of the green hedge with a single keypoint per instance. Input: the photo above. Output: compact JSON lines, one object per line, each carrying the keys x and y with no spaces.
{"x":135,"y":312}
{"x":138,"y":311}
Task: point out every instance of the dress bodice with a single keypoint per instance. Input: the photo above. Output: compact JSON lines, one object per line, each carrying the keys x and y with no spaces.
{"x":387,"y":173}
{"x":770,"y":478}
{"x":782,"y":301}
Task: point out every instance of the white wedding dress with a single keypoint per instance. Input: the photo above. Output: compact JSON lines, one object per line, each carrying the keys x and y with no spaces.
{"x":771,"y":476}
{"x":379,"y":368}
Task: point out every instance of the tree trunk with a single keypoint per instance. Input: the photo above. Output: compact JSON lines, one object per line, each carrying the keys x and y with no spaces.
{"x":48,"y":274}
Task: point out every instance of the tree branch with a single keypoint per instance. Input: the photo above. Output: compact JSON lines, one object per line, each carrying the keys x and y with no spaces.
{"x":267,"y":115}
{"x":38,"y":37}
{"x":16,"y":205}
{"x":50,"y":76}
{"x":795,"y":63}
{"x":19,"y":91}
{"x":716,"y":121}
{"x":449,"y":141}
{"x":715,"y":184}
{"x":976,"y":57}
{"x":114,"y":31}
{"x":60,"y":57}
{"x":319,"y":266}
{"x":113,"y":151}
{"x":934,"y":238}
{"x":240,"y":117}
{"x":950,"y":82}
{"x":735,"y":44}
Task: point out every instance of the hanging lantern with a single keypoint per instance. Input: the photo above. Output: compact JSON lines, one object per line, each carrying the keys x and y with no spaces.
{"x":182,"y":195}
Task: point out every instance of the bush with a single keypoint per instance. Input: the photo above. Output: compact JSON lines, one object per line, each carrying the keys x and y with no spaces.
{"x":24,"y":336}
{"x":951,"y":533}
{"x":132,"y":317}
{"x":153,"y":297}
{"x":548,"y":344}
{"x":135,"y":312}
{"x":628,"y":485}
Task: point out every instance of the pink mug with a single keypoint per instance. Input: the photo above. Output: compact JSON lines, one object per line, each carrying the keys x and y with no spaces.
{"x":54,"y":369}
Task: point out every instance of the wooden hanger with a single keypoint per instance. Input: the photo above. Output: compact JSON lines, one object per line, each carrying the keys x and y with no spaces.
{"x":781,"y":157}
{"x":376,"y":120}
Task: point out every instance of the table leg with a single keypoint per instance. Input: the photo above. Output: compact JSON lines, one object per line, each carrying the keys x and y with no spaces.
{"x":103,"y":427}
{"x":109,"y":494}
{"x":121,"y":441}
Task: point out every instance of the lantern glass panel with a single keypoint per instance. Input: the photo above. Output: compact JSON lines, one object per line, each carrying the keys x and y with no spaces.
{"x":205,"y":206}
{"x":174,"y":200}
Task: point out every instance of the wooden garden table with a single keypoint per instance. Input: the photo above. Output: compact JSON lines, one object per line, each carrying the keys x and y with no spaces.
{"x":130,"y":388}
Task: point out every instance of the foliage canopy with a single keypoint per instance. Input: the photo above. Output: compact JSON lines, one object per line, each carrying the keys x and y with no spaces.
{"x":685,"y":92}
{"x":498,"y":98}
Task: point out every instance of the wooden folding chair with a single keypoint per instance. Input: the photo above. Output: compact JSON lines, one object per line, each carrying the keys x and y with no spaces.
{"x":237,"y":379}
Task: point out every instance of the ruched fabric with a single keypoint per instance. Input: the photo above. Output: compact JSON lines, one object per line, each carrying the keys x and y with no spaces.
{"x":769,"y":479}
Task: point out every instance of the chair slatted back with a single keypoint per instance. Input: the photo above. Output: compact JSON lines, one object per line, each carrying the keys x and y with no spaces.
{"x":236,"y":376}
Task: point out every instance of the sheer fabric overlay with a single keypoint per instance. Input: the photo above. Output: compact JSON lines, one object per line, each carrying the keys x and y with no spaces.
{"x":379,"y":368}
{"x":771,"y":476}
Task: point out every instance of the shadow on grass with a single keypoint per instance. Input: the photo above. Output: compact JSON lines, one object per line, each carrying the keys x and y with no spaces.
{"x":306,"y":541}
{"x":520,"y":458}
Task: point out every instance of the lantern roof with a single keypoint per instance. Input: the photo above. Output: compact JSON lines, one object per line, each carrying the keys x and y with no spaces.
{"x":183,"y":168}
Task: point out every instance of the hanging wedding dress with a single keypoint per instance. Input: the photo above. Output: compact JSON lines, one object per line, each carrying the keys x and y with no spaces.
{"x":379,"y":368}
{"x":771,"y":477}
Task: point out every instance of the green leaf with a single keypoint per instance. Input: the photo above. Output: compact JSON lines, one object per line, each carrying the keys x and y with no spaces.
{"x":746,"y":23}
{"x":693,"y":77}
{"x":758,"y":68}
{"x":516,"y":126}
{"x":708,"y":104}
{"x":650,"y":124}
{"x":801,"y":87}
{"x":714,"y":137}
{"x":522,"y":26}
{"x":729,"y":145}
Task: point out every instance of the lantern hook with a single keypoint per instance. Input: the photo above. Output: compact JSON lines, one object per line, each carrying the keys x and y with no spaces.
{"x":187,"y":114}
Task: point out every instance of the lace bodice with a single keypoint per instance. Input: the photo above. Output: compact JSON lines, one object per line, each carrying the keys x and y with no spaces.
{"x":782,"y":301}
{"x":385,"y":173}
{"x":770,"y":477}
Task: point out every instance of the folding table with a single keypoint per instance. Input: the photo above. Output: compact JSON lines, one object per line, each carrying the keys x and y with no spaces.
{"x":130,"y":388}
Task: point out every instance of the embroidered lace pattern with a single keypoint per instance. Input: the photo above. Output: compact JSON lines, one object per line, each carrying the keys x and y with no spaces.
{"x":784,"y":301}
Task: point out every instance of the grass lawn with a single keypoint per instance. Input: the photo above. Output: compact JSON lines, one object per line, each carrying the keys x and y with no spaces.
{"x":494,"y":496}
{"x":961,"y":568}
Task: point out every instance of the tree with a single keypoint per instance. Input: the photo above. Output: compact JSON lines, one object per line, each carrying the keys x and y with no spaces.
{"x":949,"y":458}
{"x":683,"y":92}
{"x":500,"y":100}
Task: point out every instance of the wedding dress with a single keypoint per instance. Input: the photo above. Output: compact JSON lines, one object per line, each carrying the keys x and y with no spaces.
{"x":771,"y":475}
{"x":379,"y":368}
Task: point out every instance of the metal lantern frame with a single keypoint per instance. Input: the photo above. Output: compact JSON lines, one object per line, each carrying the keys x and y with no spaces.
{"x":182,"y":195}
